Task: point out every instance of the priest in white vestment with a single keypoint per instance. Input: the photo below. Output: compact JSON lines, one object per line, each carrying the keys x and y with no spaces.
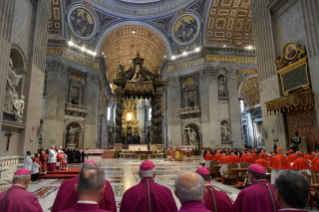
{"x":27,"y":163}
{"x":52,"y":159}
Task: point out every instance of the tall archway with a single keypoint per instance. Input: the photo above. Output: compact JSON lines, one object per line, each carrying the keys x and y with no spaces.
{"x":74,"y":133}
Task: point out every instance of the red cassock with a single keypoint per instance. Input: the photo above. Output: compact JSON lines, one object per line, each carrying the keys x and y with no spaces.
{"x":243,"y":156}
{"x":43,"y":160}
{"x":314,"y":160}
{"x":18,"y":199}
{"x":193,"y":207}
{"x":235,"y":159}
{"x":301,"y":163}
{"x":256,"y":198}
{"x":292,"y":157}
{"x":255,"y":156}
{"x":280,"y":161}
{"x":308,"y":157}
{"x":209,"y":157}
{"x":136,"y":198}
{"x":224,"y":160}
{"x":217,"y":156}
{"x":249,"y":159}
{"x":223,"y":202}
{"x":262,"y":162}
{"x":79,"y":207}
{"x":264,"y":156}
{"x":60,"y":158}
{"x":271,"y":156}
{"x":67,"y":197}
{"x":315,"y":166}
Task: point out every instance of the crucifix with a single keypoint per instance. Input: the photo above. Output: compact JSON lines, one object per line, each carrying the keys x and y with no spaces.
{"x":8,"y":134}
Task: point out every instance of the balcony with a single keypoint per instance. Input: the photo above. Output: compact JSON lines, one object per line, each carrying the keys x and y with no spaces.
{"x":189,"y":112}
{"x":75,"y":110}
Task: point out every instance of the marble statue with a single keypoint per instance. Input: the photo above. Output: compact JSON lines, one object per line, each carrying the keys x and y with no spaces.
{"x":18,"y":106}
{"x":11,"y":95}
{"x":296,"y":141}
{"x":71,"y":135}
{"x":221,"y":87}
{"x":192,"y":135}
{"x":225,"y":131}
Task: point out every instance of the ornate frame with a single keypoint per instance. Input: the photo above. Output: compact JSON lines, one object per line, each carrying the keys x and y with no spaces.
{"x":283,"y":51}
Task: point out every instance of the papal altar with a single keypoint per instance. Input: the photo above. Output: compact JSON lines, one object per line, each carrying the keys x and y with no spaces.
{"x":140,"y":151}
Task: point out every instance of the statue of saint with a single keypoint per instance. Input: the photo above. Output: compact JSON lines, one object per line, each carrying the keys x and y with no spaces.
{"x":225,"y":131}
{"x":295,"y":142}
{"x":221,"y":87}
{"x":71,"y":135}
{"x":192,"y":135}
{"x":18,"y":106}
{"x":136,"y":138}
{"x":11,"y":93}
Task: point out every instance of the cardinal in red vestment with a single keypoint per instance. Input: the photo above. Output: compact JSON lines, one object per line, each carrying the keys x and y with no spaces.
{"x":235,"y":158}
{"x":60,"y":158}
{"x":278,"y":163}
{"x":16,"y":198}
{"x":256,"y":198}
{"x":264,"y":155}
{"x":213,"y":196}
{"x":208,"y":156}
{"x":308,"y":157}
{"x":271,"y":156}
{"x":262,"y":161}
{"x":43,"y":160}
{"x":67,"y":196}
{"x":217,"y":155}
{"x":301,"y":164}
{"x":148,"y":195}
{"x":254,"y":155}
{"x":249,"y":158}
{"x":314,"y":159}
{"x":292,"y":156}
{"x":243,"y":155}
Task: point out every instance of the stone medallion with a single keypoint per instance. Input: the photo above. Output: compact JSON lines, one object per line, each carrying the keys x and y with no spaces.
{"x":185,"y":29}
{"x":82,"y":22}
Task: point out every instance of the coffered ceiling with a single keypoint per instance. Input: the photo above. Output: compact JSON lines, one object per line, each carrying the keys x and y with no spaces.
{"x":55,"y":22}
{"x":122,"y":44}
{"x":229,"y":23}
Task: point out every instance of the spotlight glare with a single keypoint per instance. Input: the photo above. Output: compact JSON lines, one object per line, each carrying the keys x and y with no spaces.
{"x":185,"y":53}
{"x":173,"y":57}
{"x":94,"y":54}
{"x":83,"y":48}
{"x":197,"y":49}
{"x":70,"y":43}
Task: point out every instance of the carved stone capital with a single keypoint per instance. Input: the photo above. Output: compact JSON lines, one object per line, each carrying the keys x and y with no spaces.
{"x":231,"y":73}
{"x":93,"y":79}
{"x":209,"y":73}
{"x":173,"y":81}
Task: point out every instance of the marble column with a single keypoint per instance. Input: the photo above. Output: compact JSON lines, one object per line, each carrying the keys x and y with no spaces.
{"x":234,"y":109}
{"x":209,"y":104}
{"x":6,"y":17}
{"x":174,"y":104}
{"x":269,"y":85}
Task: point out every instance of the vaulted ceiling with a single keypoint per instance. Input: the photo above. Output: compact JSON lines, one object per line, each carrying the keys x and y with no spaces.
{"x":230,"y":23}
{"x":250,"y":92}
{"x":121,"y":45}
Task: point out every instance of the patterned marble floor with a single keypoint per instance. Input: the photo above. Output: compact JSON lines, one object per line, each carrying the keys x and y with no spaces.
{"x":123,"y":174}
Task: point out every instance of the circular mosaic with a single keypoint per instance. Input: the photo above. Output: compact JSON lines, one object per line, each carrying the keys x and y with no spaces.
{"x":186,"y":29}
{"x":82,"y":22}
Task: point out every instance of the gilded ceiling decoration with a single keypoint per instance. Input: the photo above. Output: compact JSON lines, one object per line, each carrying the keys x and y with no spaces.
{"x":55,"y":22}
{"x":250,"y":92}
{"x":122,"y":44}
{"x":230,"y":23}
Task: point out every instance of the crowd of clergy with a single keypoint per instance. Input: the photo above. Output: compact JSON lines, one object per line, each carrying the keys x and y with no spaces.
{"x":90,"y":191}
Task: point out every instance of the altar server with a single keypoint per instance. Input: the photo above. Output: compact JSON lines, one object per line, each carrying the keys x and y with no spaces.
{"x":292,"y":191}
{"x":259,"y":197}
{"x":43,"y":160}
{"x":278,"y":163}
{"x":36,"y":165}
{"x":190,"y":190}
{"x":52,"y":159}
{"x":301,"y":164}
{"x":27,"y":163}
{"x":16,"y":198}
{"x":147,"y":195}
{"x":67,"y":196}
{"x":215,"y":200}
{"x":90,"y":190}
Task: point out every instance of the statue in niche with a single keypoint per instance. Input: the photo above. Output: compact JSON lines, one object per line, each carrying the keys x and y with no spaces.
{"x":296,"y":141}
{"x":71,"y":135}
{"x":225,"y":131}
{"x":18,"y":106}
{"x":136,"y":138}
{"x":191,"y":99}
{"x":192,"y":136}
{"x":11,"y":95}
{"x":222,"y":86}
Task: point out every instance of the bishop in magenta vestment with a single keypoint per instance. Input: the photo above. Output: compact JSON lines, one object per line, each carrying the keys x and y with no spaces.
{"x":79,"y":207}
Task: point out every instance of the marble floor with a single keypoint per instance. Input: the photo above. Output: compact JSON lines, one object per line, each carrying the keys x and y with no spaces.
{"x":123,"y":174}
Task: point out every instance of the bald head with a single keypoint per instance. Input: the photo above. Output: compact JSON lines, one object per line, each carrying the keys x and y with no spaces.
{"x":190,"y":186}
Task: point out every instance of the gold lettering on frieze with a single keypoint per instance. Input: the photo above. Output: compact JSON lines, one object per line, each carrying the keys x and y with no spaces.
{"x":230,"y":59}
{"x":186,"y":65}
{"x":54,"y":51}
{"x":80,"y":60}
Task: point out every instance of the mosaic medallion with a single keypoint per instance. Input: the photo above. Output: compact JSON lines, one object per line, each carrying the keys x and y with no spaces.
{"x":82,"y":22}
{"x":186,"y":29}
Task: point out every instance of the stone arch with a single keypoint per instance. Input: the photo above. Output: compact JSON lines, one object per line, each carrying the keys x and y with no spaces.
{"x":166,"y":40}
{"x":249,"y":91}
{"x":18,"y":59}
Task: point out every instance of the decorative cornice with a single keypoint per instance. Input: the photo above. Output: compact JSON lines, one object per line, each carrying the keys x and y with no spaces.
{"x":209,"y":73}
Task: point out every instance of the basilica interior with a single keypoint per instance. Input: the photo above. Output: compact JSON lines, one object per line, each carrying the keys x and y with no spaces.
{"x":107,"y":74}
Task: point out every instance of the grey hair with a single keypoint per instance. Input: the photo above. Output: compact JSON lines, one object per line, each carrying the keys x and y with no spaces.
{"x":20,"y":178}
{"x":195,"y":193}
{"x":91,"y":183}
{"x":148,"y":173}
{"x":87,"y":166}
